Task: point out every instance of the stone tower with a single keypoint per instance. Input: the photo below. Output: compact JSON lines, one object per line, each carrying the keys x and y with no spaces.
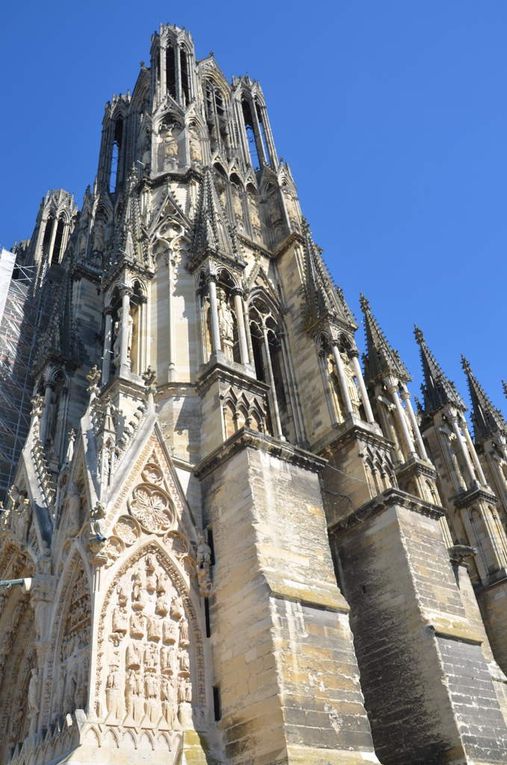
{"x":225,"y":544}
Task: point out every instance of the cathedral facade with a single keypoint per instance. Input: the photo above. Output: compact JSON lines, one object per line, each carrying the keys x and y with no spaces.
{"x":223,"y":538}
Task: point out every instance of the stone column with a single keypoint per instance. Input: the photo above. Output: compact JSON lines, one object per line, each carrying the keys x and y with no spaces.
{"x":343,"y":382}
{"x":475,"y":458}
{"x":125,"y":315}
{"x":239,"y":311}
{"x":48,"y":392}
{"x":163,"y":77}
{"x":461,"y":441}
{"x":413,"y":421}
{"x":177,"y":72}
{"x":215,"y":330}
{"x":362,"y":388}
{"x":275,"y":412}
{"x":408,"y":443}
{"x":108,"y":337}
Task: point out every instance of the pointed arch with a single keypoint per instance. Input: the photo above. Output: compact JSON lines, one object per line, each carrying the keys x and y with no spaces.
{"x":149,"y":637}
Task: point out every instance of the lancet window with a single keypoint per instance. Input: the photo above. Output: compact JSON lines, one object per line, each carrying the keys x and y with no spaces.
{"x":270,"y":360}
{"x":215,"y":104}
{"x":116,"y":150}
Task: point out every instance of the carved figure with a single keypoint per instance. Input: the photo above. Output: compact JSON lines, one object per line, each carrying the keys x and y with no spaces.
{"x":177,"y":608}
{"x":33,"y":693}
{"x":151,"y":657}
{"x":133,"y":657}
{"x":134,"y":701}
{"x":151,"y":579}
{"x":167,"y":698}
{"x":184,"y":641}
{"x":226,"y":324}
{"x":138,"y":596}
{"x":151,"y":686}
{"x":113,"y":694}
{"x":137,"y":624}
{"x":194,"y":145}
{"x":184,"y":662}
{"x":154,"y":628}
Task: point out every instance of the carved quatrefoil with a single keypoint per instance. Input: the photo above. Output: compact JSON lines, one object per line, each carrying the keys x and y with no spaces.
{"x":152,"y":508}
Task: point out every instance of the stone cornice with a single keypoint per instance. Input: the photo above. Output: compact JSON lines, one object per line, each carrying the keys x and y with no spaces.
{"x":416,"y":467}
{"x":474,"y":495}
{"x":216,"y":371}
{"x":251,"y":439}
{"x":389,"y":498}
{"x":358,"y":431}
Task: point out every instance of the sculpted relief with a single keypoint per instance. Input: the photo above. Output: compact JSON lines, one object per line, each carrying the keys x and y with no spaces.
{"x":70,"y":675}
{"x":146,"y":680}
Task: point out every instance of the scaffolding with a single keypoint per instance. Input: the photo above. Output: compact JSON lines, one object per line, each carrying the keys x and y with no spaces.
{"x":17,"y":346}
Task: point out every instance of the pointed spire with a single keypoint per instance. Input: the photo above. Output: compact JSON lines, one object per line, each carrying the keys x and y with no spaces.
{"x":212,"y":235}
{"x":381,"y":359}
{"x":437,"y":389}
{"x":322,"y":296}
{"x":487,"y":419}
{"x":504,"y":386}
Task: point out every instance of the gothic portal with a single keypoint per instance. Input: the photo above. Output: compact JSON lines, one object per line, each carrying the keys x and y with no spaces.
{"x":243,"y":546}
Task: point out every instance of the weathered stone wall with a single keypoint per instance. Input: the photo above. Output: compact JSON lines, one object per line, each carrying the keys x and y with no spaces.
{"x":284,"y":659}
{"x":414,"y":646}
{"x":493,"y":604}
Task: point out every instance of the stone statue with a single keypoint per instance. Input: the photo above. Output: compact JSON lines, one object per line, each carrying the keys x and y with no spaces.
{"x":137,"y":624}
{"x":154,"y":628}
{"x":33,"y":694}
{"x":151,"y":657}
{"x":194,"y":145}
{"x":170,"y":145}
{"x":138,"y":596}
{"x":226,"y":324}
{"x":184,"y":662}
{"x":151,"y":687}
{"x":133,"y":657}
{"x":113,"y":696}
{"x":167,"y":698}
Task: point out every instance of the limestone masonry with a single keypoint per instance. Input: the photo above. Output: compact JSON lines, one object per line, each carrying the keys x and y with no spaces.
{"x":222,"y":540}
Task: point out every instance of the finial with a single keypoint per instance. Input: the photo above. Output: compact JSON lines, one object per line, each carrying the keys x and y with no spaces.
{"x":418,"y":334}
{"x":465,"y":364}
{"x":364,"y":302}
{"x":504,"y":386}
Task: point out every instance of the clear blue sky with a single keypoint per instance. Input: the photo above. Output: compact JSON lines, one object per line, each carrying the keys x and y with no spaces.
{"x":392,"y":115}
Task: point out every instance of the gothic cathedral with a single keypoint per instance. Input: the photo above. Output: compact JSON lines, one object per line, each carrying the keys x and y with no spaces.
{"x":224,"y":540}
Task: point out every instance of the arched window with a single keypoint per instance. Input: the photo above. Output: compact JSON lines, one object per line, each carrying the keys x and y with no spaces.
{"x":185,"y":78}
{"x":170,"y":71}
{"x":255,"y":160}
{"x":267,"y":339}
{"x":56,"y":254}
{"x":46,"y":240}
{"x":115,"y":155}
{"x":215,"y":105}
{"x":262,"y":130}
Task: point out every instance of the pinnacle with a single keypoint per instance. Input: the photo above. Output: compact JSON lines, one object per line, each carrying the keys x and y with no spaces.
{"x":381,"y":359}
{"x":486,"y":418}
{"x":437,"y":389}
{"x":211,"y":231}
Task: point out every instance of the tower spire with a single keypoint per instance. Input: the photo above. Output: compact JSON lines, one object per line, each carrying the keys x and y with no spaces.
{"x":381,"y":359}
{"x":437,"y":389}
{"x":487,"y":419}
